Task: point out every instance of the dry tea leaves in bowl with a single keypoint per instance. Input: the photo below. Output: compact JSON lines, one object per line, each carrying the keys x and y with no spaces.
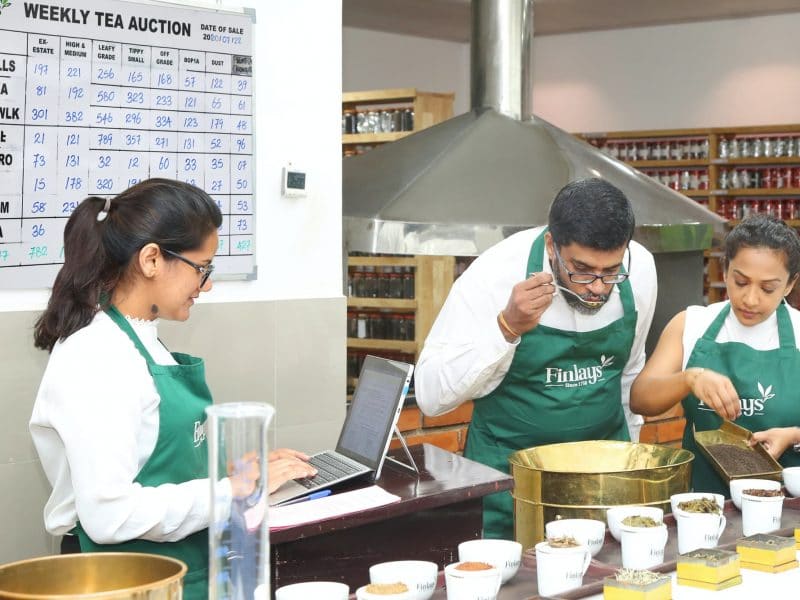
{"x":762,"y":493}
{"x":701,"y":505}
{"x":563,"y":542}
{"x":640,"y":521}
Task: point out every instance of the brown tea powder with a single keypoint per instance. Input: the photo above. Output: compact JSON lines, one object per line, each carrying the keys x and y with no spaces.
{"x":386,"y":588}
{"x":739,"y":461}
{"x":473,"y":566}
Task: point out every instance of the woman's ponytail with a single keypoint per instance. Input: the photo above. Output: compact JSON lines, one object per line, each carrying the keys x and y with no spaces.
{"x":81,"y":281}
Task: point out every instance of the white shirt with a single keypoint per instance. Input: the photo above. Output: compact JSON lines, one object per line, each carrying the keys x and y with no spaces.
{"x":763,"y":336}
{"x":466,"y":356}
{"x":95,"y":424}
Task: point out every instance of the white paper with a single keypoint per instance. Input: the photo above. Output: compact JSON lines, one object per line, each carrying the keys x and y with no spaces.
{"x":335,"y":505}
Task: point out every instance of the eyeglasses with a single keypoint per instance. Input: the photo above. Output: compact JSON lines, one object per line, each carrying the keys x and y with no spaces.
{"x":588,"y":278}
{"x":204,"y":270}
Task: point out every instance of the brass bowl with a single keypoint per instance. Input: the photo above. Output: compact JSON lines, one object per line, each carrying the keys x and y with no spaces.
{"x":99,"y":576}
{"x":583,"y":479}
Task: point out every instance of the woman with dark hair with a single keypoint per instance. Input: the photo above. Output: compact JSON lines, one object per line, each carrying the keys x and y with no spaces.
{"x":736,"y":359}
{"x":119,"y":421}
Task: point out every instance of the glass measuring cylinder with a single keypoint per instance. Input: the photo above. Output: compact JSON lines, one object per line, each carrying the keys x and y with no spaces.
{"x":238,"y":534}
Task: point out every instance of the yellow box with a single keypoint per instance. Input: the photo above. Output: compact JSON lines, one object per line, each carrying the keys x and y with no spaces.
{"x":797,"y":538}
{"x":618,"y":590}
{"x":764,"y":549}
{"x":708,"y":565}
{"x":722,"y":585}
{"x":792,"y":564}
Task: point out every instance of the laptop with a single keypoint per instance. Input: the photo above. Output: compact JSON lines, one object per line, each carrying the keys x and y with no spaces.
{"x":366,"y":432}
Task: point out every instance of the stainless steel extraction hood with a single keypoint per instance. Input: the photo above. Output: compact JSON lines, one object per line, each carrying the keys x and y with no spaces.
{"x":461,"y":186}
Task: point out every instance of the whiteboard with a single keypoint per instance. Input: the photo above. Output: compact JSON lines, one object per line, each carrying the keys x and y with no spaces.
{"x":98,"y":95}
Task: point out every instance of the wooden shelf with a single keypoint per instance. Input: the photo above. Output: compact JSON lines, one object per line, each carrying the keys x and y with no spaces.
{"x":381,"y":261}
{"x":350,"y":139}
{"x":389,"y":96}
{"x":715,"y":165}
{"x":757,"y":192}
{"x":783,"y":160}
{"x":408,"y":346}
{"x":645,"y":164}
{"x":393,"y":303}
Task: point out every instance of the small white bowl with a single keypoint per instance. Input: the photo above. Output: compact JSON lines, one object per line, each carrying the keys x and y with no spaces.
{"x":504,"y":555}
{"x":791,"y":479}
{"x":313,"y":589}
{"x":737,"y":485}
{"x":616,"y":514}
{"x":419,"y":575}
{"x":590,"y":532}
{"x":676,"y":499}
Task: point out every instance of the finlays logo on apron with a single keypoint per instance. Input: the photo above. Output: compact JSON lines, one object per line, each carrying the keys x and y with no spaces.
{"x":576,"y":376}
{"x":750,"y":406}
{"x":199,"y":432}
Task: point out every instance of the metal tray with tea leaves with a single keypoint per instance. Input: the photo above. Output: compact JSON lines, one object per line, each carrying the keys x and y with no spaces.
{"x":734,"y":435}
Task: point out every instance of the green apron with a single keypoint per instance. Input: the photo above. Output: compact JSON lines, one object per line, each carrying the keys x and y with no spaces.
{"x":766,"y":381}
{"x":562,"y":386}
{"x":180,"y":455}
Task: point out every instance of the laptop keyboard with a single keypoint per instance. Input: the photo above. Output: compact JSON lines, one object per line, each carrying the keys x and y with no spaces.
{"x":329,"y":468}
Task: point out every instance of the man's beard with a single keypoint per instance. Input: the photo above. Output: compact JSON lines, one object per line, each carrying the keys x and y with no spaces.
{"x":573,"y":300}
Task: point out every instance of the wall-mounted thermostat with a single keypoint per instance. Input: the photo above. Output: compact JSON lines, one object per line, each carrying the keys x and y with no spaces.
{"x":294,"y":182}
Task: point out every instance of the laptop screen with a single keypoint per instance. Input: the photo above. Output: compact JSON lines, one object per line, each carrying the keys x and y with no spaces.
{"x":381,"y":388}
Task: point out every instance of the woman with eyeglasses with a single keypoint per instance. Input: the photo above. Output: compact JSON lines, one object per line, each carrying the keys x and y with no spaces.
{"x":736,"y":359}
{"x":119,"y":420}
{"x":545,"y":331}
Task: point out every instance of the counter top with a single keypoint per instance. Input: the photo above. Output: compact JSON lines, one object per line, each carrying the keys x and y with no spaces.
{"x":444,"y":479}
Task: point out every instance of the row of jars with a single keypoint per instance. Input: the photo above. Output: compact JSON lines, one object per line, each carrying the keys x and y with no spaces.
{"x":380,"y":282}
{"x":355,"y":359}
{"x":759,"y":178}
{"x":738,"y":208}
{"x":378,"y":121}
{"x":379,"y":325}
{"x":672,"y":149}
{"x":687,"y":179}
{"x":759,"y":147}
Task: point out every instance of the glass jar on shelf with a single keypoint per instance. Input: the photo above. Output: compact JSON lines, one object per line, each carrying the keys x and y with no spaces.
{"x":408,"y":280}
{"x":357,"y":283}
{"x":370,"y":283}
{"x":384,"y":282}
{"x":410,"y":326}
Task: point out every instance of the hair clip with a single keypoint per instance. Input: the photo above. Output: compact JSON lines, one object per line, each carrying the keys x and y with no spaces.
{"x":101,"y":216}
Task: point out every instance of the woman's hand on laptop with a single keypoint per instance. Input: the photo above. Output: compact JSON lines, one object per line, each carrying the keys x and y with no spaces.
{"x":285,"y":464}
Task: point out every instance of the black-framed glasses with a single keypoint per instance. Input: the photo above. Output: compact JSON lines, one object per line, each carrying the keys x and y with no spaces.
{"x":588,"y":278}
{"x":204,"y":270}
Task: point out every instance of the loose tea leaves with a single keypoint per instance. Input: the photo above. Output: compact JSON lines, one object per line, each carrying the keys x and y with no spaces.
{"x":563,"y":542}
{"x":737,"y":461}
{"x":762,"y":493}
{"x":639,"y":521}
{"x":637,"y":577}
{"x":701,"y":505}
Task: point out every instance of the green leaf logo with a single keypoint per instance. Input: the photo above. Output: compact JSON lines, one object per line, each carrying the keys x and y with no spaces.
{"x":4,"y":4}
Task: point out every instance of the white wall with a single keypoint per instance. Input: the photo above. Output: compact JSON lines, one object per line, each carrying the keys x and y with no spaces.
{"x":297,"y":66}
{"x":373,"y":60}
{"x":715,"y":73}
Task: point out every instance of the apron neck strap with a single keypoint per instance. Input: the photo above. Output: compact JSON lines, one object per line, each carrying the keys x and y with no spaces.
{"x":116,"y":316}
{"x":536,"y":261}
{"x":785,"y":329}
